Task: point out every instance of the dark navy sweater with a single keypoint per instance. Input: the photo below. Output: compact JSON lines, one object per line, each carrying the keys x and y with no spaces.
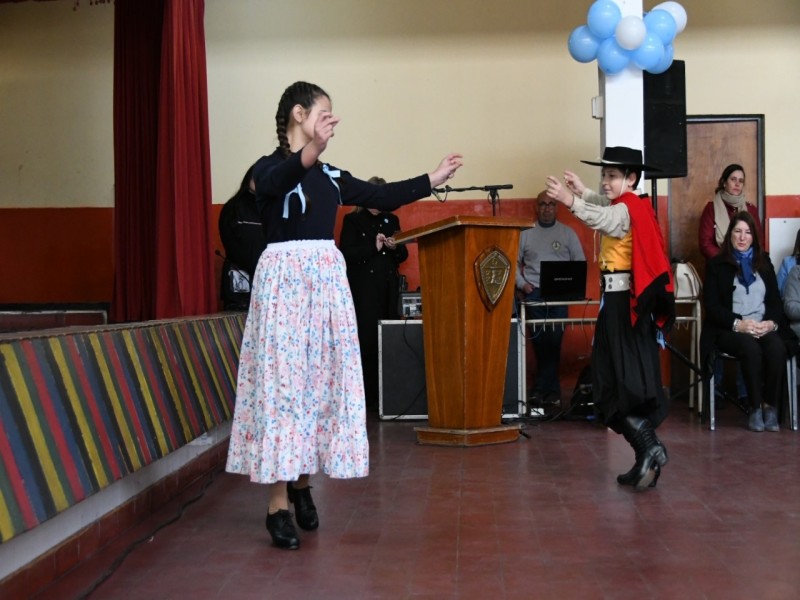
{"x":276,"y":176}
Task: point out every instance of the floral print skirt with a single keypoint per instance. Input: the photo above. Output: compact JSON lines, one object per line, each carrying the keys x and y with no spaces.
{"x":300,"y":392}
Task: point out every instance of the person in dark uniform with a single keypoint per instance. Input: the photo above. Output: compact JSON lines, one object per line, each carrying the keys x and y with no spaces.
{"x":372,"y":258}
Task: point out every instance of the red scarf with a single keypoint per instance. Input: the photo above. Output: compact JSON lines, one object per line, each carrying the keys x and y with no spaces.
{"x":653,"y":290}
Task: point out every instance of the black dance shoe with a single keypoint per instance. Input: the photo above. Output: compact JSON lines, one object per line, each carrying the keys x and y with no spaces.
{"x":304,"y":510}
{"x":629,"y":478}
{"x":282,"y":530}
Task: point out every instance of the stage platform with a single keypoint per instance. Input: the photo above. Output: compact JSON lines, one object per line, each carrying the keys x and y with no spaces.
{"x":84,"y":407}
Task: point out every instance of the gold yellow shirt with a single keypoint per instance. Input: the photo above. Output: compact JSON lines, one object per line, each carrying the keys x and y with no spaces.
{"x":616,"y":253}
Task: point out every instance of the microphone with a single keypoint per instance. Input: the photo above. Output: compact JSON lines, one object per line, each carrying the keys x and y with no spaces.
{"x":492,"y":189}
{"x":480,"y":188}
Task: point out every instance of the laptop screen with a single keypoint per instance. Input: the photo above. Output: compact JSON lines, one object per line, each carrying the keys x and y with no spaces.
{"x":562,"y":280}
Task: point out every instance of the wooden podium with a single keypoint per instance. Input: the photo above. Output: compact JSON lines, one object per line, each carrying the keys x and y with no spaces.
{"x":467,"y":268}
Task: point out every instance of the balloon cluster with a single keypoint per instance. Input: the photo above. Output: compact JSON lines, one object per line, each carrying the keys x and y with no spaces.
{"x":617,"y":41}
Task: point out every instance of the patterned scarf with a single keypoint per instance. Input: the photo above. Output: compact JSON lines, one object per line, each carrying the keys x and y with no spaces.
{"x":722,"y":218}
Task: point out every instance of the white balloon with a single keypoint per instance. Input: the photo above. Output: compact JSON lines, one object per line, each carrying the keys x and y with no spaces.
{"x":630,"y":32}
{"x":678,"y":13}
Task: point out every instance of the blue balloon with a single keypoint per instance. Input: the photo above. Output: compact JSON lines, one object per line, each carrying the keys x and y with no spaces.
{"x":583,"y":44}
{"x":661,"y":23}
{"x":649,"y":53}
{"x":665,"y":62}
{"x":603,"y":17}
{"x":611,"y":57}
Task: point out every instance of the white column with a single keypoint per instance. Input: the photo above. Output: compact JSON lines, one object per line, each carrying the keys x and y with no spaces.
{"x":620,"y":105}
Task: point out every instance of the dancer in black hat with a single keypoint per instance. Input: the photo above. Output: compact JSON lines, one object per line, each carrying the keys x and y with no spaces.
{"x":638,"y":305}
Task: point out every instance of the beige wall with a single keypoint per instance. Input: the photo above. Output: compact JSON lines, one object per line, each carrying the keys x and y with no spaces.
{"x":56,"y":67}
{"x":411,"y":79}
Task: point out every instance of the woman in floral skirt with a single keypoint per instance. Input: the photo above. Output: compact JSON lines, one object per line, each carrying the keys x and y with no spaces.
{"x":300,"y":394}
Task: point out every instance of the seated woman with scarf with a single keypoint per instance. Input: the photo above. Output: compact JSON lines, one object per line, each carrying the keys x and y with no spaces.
{"x":744,"y":318}
{"x":729,"y":198}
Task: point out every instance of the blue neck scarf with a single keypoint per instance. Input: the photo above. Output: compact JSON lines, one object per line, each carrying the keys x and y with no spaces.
{"x":745,"y":261}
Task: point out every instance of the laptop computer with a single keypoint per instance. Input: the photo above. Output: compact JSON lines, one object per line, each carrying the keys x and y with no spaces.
{"x":562,"y":279}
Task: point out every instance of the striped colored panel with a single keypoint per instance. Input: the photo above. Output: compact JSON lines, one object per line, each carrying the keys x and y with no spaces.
{"x":81,"y":410}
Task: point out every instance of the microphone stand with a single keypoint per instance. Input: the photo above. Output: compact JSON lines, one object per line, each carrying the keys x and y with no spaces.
{"x":494,"y":196}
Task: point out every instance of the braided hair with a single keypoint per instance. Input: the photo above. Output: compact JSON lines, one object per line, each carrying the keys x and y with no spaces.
{"x":302,"y":93}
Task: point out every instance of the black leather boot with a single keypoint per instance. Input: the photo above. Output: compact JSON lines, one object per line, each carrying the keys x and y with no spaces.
{"x":281,"y":528}
{"x":650,"y":452}
{"x":304,"y":510}
{"x":629,"y":478}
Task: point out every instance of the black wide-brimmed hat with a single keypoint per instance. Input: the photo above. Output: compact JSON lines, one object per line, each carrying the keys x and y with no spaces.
{"x":621,"y":156}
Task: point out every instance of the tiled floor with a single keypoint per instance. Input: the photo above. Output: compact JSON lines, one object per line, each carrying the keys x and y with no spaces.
{"x":540,"y":518}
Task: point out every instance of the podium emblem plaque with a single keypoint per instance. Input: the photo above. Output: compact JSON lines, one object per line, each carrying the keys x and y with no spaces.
{"x":492,"y":269}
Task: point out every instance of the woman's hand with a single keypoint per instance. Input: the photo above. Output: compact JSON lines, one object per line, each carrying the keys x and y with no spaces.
{"x":323,"y":132}
{"x":446,"y":170}
{"x":755,"y":328}
{"x":747,"y":326}
{"x":379,"y":241}
{"x":557,"y":192}
{"x":323,"y":129}
{"x":764,"y":327}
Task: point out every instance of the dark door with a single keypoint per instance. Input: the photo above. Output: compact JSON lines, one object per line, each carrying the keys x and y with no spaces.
{"x":713,"y":142}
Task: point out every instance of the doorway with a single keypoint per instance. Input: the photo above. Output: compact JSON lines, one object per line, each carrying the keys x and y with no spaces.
{"x":712,"y":143}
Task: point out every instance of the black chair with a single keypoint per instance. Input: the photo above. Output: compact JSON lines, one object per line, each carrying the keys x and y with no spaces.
{"x":791,"y":377}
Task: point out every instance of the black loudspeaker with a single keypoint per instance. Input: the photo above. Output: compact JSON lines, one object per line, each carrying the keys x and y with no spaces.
{"x":402,"y":392}
{"x":665,"y":122}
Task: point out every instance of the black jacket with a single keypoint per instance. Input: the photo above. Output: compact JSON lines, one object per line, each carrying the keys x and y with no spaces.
{"x":357,"y":243}
{"x":372,"y":273}
{"x":718,"y":304}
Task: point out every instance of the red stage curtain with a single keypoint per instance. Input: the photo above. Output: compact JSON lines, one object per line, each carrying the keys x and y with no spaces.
{"x":137,"y":58}
{"x":164,"y":261}
{"x":184,"y":270}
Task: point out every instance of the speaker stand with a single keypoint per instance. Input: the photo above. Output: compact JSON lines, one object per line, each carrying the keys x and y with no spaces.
{"x":654,"y":195}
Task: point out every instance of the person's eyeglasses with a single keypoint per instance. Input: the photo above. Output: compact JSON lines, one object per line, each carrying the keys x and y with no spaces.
{"x":546,"y":204}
